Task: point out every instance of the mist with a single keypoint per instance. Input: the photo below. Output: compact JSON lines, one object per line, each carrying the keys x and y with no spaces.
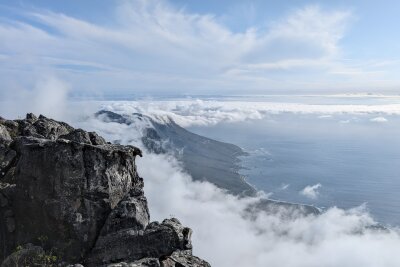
{"x":226,"y":234}
{"x":48,"y":96}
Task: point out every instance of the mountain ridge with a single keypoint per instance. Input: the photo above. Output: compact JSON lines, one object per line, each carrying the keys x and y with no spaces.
{"x":205,"y":159}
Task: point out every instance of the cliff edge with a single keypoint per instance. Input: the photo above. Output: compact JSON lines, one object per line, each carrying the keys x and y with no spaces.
{"x":69,"y":197}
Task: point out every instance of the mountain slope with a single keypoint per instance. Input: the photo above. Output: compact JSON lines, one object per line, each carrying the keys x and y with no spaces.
{"x":203,"y":158}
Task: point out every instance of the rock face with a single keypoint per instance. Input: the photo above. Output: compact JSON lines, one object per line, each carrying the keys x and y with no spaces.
{"x":75,"y":198}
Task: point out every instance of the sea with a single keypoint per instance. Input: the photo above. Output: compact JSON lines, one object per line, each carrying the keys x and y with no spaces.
{"x":323,"y":156}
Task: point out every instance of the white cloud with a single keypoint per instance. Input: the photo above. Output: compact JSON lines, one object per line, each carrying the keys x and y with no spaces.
{"x":225,"y":236}
{"x":285,"y":186}
{"x":153,"y":45}
{"x":379,"y":119}
{"x":210,"y":112}
{"x":324,"y":116}
{"x":311,"y":191}
{"x":48,"y":96}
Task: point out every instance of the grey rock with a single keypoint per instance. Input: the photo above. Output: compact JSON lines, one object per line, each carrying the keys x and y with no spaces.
{"x":4,"y":134}
{"x":7,"y":156}
{"x":24,"y":256}
{"x":176,"y":259}
{"x":96,"y":139}
{"x":78,"y":135}
{"x":31,"y":117}
{"x":131,"y":244}
{"x":65,"y":191}
{"x":79,"y":197}
{"x":3,"y":201}
{"x":183,"y":258}
{"x":10,"y":223}
{"x":130,"y":213}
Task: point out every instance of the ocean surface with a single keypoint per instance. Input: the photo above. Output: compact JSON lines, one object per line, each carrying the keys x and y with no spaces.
{"x":344,"y":159}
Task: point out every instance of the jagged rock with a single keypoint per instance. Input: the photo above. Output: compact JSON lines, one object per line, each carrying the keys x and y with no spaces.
{"x":176,"y":259}
{"x":183,"y":258}
{"x":31,"y":117}
{"x":154,"y":241}
{"x":78,"y":135}
{"x":96,"y":139}
{"x":79,"y":197}
{"x":130,"y":213}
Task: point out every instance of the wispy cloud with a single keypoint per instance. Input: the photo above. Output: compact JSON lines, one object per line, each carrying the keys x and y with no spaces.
{"x":153,"y":45}
{"x":379,"y":119}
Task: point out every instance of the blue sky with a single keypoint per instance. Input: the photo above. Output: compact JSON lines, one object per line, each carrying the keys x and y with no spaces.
{"x":201,"y":47}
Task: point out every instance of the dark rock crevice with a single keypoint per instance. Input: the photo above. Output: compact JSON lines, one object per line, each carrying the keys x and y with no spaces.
{"x":69,"y":193}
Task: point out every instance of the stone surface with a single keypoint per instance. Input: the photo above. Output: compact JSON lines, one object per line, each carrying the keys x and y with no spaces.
{"x":70,"y":192}
{"x":153,"y":241}
{"x":4,"y":134}
{"x":24,"y":256}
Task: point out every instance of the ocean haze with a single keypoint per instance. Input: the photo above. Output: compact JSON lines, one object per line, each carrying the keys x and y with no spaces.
{"x":354,"y":158}
{"x":264,"y":238}
{"x":346,"y":144}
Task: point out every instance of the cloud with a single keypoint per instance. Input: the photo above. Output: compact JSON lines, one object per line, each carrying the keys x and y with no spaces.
{"x":154,"y":46}
{"x":379,"y":119}
{"x":225,"y":235}
{"x":49,"y":96}
{"x":324,"y":116}
{"x":311,"y":191}
{"x":192,"y":112}
{"x":285,"y":186}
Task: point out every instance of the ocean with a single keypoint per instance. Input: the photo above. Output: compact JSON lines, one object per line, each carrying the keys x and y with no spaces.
{"x":322,"y":158}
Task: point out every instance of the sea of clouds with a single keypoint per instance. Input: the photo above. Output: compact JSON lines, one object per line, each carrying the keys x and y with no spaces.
{"x":224,"y":232}
{"x":198,"y":112}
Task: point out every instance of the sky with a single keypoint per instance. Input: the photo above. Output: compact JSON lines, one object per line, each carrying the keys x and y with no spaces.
{"x":167,"y":47}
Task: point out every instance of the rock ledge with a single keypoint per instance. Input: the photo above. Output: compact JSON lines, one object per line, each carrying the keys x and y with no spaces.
{"x":69,"y":197}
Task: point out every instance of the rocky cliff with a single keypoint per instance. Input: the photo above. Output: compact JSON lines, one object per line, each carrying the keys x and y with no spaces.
{"x":69,"y":197}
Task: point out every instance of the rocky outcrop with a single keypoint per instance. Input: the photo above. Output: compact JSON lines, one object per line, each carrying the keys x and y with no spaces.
{"x":67,"y":197}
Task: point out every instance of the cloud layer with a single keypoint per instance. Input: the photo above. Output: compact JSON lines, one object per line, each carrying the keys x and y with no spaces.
{"x":154,"y":46}
{"x":48,"y":96}
{"x":210,"y":112}
{"x":226,"y":235}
